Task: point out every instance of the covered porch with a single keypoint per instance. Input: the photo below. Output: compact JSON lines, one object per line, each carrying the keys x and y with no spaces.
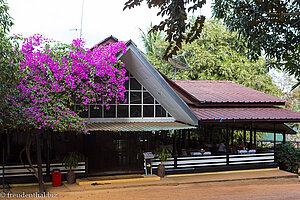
{"x":200,"y":150}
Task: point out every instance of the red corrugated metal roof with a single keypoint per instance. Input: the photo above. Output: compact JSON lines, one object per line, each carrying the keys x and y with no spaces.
{"x":137,"y":126}
{"x":246,"y":114}
{"x":207,"y":92}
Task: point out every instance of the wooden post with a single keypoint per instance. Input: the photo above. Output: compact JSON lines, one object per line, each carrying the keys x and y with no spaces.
{"x":3,"y":168}
{"x":85,"y":153}
{"x":179,"y":139}
{"x":284,"y":137}
{"x":251,"y":135}
{"x":275,"y":142}
{"x":184,"y":138}
{"x":255,"y":137}
{"x":3,"y":160}
{"x":39,"y":162}
{"x":244,"y":135}
{"x":48,"y":155}
{"x":232,"y":138}
{"x":175,"y":150}
{"x":227,"y":145}
{"x":7,"y":143}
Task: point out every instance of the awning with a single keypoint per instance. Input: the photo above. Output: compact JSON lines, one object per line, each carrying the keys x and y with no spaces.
{"x":136,"y":126}
{"x":241,"y":114}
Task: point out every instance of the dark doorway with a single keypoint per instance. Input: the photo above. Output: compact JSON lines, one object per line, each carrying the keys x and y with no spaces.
{"x":114,"y":153}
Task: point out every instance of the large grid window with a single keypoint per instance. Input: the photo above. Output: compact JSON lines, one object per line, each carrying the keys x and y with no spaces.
{"x":140,"y":104}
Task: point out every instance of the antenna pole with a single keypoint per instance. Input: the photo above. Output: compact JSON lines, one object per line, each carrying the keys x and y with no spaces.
{"x":174,"y":78}
{"x":81,"y":19}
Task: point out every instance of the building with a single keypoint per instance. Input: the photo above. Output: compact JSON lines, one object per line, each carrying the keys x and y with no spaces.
{"x":191,"y":118}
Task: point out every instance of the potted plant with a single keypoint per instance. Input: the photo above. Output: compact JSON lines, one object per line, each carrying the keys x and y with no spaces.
{"x":71,"y":161}
{"x":163,"y":155}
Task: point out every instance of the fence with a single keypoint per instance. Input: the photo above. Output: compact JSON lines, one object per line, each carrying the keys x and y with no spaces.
{"x":213,"y":161}
{"x":22,"y":171}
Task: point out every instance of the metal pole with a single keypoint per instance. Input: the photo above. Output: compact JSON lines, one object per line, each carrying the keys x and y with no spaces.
{"x":81,"y":19}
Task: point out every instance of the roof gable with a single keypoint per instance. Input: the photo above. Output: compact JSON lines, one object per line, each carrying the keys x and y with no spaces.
{"x":106,"y":41}
{"x":152,"y":80}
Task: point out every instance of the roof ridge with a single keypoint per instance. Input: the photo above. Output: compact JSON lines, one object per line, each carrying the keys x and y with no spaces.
{"x":205,"y":81}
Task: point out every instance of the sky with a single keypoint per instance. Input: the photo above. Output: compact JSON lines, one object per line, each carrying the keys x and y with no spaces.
{"x":56,"y":18}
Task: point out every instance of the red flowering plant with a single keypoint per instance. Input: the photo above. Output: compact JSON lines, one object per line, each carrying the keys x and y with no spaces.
{"x":53,"y":77}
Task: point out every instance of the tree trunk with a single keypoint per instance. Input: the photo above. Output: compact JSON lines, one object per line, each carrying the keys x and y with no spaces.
{"x":37,"y":173}
{"x":39,"y":163}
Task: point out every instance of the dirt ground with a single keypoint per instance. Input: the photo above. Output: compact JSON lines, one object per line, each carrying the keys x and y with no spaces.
{"x":281,"y":188}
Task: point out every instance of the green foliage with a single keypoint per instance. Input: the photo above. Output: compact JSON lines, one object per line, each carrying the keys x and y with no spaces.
{"x":269,"y":27}
{"x":5,"y":18}
{"x":216,"y":55}
{"x":163,"y":153}
{"x":287,"y":157}
{"x":71,"y":160}
{"x":149,"y":40}
{"x":8,"y":56}
{"x":176,"y":25}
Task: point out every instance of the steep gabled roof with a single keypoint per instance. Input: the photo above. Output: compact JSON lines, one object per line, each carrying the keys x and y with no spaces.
{"x":152,"y":80}
{"x":208,"y":93}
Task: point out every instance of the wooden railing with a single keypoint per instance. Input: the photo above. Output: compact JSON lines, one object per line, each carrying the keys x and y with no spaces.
{"x":21,"y":170}
{"x":251,"y":158}
{"x":212,"y":161}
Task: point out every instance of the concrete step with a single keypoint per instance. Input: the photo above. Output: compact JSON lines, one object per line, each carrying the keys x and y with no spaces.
{"x":115,"y":179}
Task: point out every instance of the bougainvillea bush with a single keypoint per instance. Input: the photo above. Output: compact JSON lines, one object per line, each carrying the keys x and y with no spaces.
{"x":53,"y":77}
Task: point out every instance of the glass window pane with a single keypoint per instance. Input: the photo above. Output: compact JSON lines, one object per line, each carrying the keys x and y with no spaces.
{"x":126,"y":84}
{"x":123,"y":111}
{"x":82,"y":111}
{"x":111,"y":113}
{"x":160,"y":111}
{"x":135,"y":111}
{"x":148,"y":99}
{"x":169,"y":115}
{"x":148,"y":111}
{"x":95,"y":111}
{"x":126,"y":97}
{"x":134,"y":84}
{"x":135,"y":97}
